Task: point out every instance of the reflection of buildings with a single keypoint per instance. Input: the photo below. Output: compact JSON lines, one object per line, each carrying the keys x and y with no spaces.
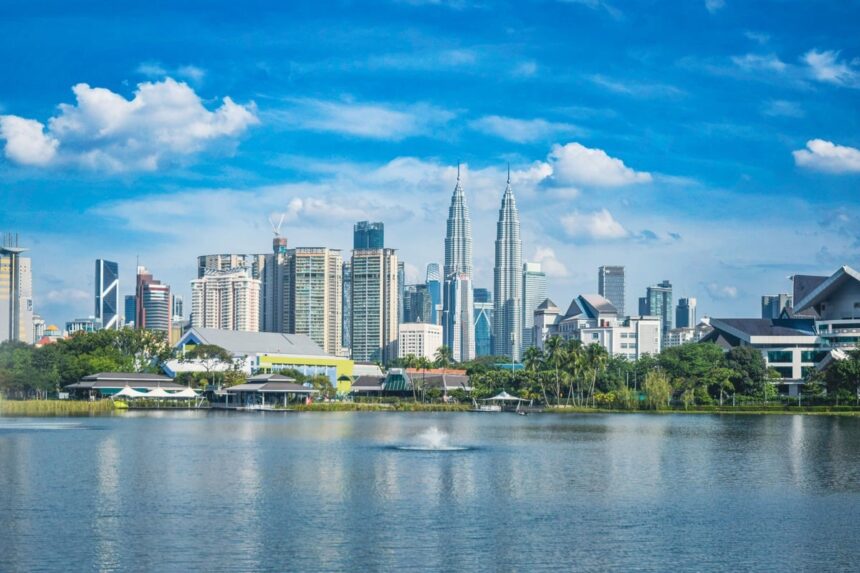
{"x":824,"y":322}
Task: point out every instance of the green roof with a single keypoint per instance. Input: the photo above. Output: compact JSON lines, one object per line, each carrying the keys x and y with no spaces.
{"x":397,"y":382}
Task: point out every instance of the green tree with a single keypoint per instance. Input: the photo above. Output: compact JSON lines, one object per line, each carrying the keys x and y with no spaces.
{"x":658,"y":391}
{"x":534,"y":362}
{"x":749,"y":370}
{"x":842,"y":377}
{"x":555,"y":357}
{"x":444,"y":357}
{"x":212,"y":358}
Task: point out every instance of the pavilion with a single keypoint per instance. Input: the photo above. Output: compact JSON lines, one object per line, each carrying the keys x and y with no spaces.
{"x":265,"y":390}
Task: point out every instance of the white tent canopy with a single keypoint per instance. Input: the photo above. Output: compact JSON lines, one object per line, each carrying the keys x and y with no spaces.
{"x":504,"y":397}
{"x":186,"y":393}
{"x":158,"y":393}
{"x":129,"y":392}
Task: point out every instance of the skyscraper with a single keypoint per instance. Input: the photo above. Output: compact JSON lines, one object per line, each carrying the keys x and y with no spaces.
{"x":129,"y":307}
{"x":418,"y":306}
{"x":272,"y":295}
{"x":152,"y":303}
{"x":610,"y":285}
{"x":773,"y":305}
{"x":367,"y":235}
{"x":457,"y":312}
{"x":534,"y":293}
{"x":685,"y":314}
{"x":374,"y":305}
{"x":226,"y":300}
{"x":507,"y":273}
{"x":178,"y":306}
{"x":313,"y":289}
{"x":346,"y":303}
{"x":107,"y":294}
{"x":658,"y":302}
{"x":16,"y":292}
{"x":401,"y":292}
{"x":434,"y":286}
{"x":483,"y":304}
{"x":257,"y":265}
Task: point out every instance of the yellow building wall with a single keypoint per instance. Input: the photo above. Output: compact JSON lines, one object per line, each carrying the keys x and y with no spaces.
{"x":343,"y":365}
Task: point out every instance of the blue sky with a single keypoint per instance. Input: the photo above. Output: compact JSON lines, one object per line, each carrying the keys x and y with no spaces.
{"x":713,"y":143}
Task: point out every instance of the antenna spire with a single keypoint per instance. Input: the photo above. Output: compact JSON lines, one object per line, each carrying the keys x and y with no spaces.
{"x":509,"y":172}
{"x":458,"y":170}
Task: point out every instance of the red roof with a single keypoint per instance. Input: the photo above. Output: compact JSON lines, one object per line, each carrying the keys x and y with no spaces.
{"x":436,"y":371}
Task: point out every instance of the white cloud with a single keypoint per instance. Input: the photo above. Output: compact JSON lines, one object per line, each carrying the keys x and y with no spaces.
{"x":637,"y":89}
{"x":449,"y":59}
{"x":575,"y":164}
{"x":721,"y":292}
{"x":521,"y":130}
{"x":67,"y":295}
{"x":157,"y":71}
{"x":596,"y":226}
{"x":827,"y":67}
{"x":782,"y":108}
{"x":549,"y":262}
{"x":821,"y":155}
{"x":525,"y":69}
{"x":714,"y":5}
{"x":164,"y":122}
{"x":26,"y":142}
{"x":760,"y":62}
{"x":373,"y":121}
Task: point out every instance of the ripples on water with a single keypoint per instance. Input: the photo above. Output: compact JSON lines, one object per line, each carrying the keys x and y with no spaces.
{"x":190,"y":491}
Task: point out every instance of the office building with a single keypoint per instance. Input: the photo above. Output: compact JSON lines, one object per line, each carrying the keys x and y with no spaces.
{"x":16,"y":292}
{"x":367,"y":235}
{"x":418,"y":304}
{"x":89,"y":324}
{"x":484,"y":308}
{"x":374,"y":305}
{"x":346,"y":304}
{"x":658,"y":302}
{"x":272,"y":293}
{"x":129,"y":307}
{"x":434,"y":286}
{"x":773,"y":305}
{"x":419,"y":339}
{"x":313,"y":296}
{"x":107,"y":294}
{"x":226,"y":300}
{"x":458,"y":324}
{"x":152,"y":303}
{"x":401,"y":291}
{"x":610,"y":285}
{"x":179,"y":308}
{"x":508,"y":279}
{"x":534,"y":293}
{"x":685,"y":313}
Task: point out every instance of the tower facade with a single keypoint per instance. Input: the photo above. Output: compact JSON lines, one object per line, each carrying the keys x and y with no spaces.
{"x":534,"y":293}
{"x":107,"y":294}
{"x":313,"y":288}
{"x":226,"y":300}
{"x":367,"y":235}
{"x":374,"y":305}
{"x":507,"y":274}
{"x":610,"y":285}
{"x":152,"y":303}
{"x":457,"y":312}
{"x":16,"y":292}
{"x":685,"y":313}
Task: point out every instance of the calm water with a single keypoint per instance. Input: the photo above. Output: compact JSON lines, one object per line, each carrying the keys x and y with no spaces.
{"x":333,"y":492}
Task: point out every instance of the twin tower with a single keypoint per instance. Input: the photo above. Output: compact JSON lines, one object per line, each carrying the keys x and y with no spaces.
{"x":458,"y":306}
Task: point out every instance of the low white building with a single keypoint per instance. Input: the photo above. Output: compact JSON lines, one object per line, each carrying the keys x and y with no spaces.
{"x":679,"y":336}
{"x":419,"y":339}
{"x":632,"y":338}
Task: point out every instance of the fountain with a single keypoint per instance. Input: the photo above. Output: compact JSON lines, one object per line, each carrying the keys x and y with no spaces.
{"x":432,"y":440}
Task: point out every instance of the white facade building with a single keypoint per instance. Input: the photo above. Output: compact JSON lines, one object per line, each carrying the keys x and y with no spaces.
{"x":419,"y":339}
{"x":226,"y":300}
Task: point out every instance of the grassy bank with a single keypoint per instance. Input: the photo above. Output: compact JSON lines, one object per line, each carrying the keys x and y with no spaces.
{"x":777,"y":409}
{"x":381,"y":407}
{"x":54,"y":407}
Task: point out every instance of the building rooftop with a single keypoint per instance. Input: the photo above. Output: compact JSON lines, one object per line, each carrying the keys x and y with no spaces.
{"x":813,"y":296}
{"x":236,"y":342}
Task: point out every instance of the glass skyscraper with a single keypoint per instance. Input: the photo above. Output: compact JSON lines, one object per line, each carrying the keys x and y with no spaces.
{"x":367,"y":235}
{"x":434,"y":286}
{"x":107,"y":294}
{"x":534,"y":293}
{"x":507,"y":273}
{"x":685,"y":314}
{"x":610,"y":285}
{"x":458,"y":324}
{"x":483,"y":301}
{"x":658,"y":302}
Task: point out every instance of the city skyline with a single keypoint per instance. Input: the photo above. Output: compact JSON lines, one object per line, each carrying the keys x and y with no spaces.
{"x":624,"y":150}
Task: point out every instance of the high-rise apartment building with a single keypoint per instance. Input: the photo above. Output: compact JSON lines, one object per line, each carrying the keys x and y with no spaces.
{"x":152,"y":303}
{"x":457,"y":313}
{"x":401,"y":291}
{"x":434,"y":286}
{"x":374,"y":305}
{"x":508,"y":279}
{"x":610,"y":285}
{"x":482,"y":302}
{"x":367,"y":235}
{"x":685,"y":313}
{"x":258,"y":267}
{"x":16,"y":292}
{"x":658,"y":302}
{"x":226,"y":300}
{"x":773,"y":305}
{"x":272,"y":294}
{"x":313,"y":289}
{"x":107,"y":294}
{"x":534,"y":293}
{"x":178,"y":306}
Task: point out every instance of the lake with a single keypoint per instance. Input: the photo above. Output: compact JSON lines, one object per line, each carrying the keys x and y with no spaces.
{"x":198,"y":491}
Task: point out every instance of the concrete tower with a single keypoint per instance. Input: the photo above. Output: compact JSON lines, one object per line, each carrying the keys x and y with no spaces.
{"x":507,"y":314}
{"x":457,"y":309}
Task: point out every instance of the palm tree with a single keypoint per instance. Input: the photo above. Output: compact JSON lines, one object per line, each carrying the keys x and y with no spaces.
{"x":596,"y":357}
{"x":443,"y":356}
{"x":555,"y":353}
{"x":533,"y":360}
{"x":574,"y":359}
{"x":423,"y":363}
